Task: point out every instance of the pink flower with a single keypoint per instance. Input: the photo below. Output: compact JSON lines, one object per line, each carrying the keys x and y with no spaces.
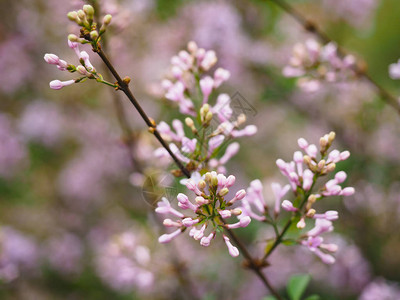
{"x":288,"y":206}
{"x":233,"y":251}
{"x":206,"y":85}
{"x":220,"y":75}
{"x":57,"y":84}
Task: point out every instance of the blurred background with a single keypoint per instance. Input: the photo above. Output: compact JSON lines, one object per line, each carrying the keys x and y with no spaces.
{"x":75,"y":221}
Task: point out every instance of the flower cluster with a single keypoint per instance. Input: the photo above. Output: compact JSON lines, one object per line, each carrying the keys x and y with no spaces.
{"x":123,"y":263}
{"x":211,"y":125}
{"x":313,"y":64}
{"x":89,"y":34}
{"x":302,"y":174}
{"x":207,"y":213}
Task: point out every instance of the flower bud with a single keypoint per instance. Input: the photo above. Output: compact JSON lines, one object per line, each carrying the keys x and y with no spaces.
{"x":331,"y":137}
{"x":57,"y":84}
{"x":310,"y":213}
{"x":223,"y":192}
{"x":81,"y":14}
{"x":202,"y":184}
{"x":189,"y":122}
{"x":214,"y":180}
{"x":107,"y":20}
{"x":208,"y":117}
{"x":192,"y":47}
{"x":73,"y":38}
{"x":94,"y":35}
{"x":207,"y":177}
{"x":82,"y":70}
{"x":73,"y":16}
{"x":200,"y":200}
{"x":329,"y":168}
{"x":89,"y":11}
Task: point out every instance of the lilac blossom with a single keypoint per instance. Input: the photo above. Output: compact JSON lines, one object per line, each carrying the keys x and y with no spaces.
{"x":357,"y":13}
{"x":65,"y":253}
{"x":198,"y":148}
{"x":204,"y":216}
{"x":314,"y":64}
{"x":12,"y":149}
{"x":380,"y":289}
{"x":42,"y":122}
{"x":19,"y":254}
{"x":124,"y":264}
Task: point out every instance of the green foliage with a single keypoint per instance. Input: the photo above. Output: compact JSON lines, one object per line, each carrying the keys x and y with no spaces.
{"x":297,"y":285}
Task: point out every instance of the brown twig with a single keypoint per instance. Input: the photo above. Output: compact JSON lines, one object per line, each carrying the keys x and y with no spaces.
{"x":360,"y":71}
{"x":124,"y":87}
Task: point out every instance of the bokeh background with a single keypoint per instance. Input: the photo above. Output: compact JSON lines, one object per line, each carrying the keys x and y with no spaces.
{"x":75,"y":221}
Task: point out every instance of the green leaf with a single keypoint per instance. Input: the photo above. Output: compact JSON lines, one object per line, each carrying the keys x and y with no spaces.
{"x":297,"y":284}
{"x":289,"y":242}
{"x":313,"y":297}
{"x":269,"y":298}
{"x":269,"y":245}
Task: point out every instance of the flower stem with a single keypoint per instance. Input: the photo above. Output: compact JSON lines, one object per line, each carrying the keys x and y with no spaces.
{"x":123,"y":86}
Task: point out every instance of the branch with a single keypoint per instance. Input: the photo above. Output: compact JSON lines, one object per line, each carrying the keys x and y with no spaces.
{"x":253,"y":264}
{"x":123,"y":86}
{"x":313,"y":28}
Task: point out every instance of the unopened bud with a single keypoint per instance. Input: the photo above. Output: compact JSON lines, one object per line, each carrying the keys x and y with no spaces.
{"x":81,"y":70}
{"x":81,"y":14}
{"x":202,"y":184}
{"x":223,"y":192}
{"x":89,"y":11}
{"x":241,"y":119}
{"x":192,"y":47}
{"x":189,"y":122}
{"x":94,"y":35}
{"x":214,"y":180}
{"x":236,"y":211}
{"x":208,"y":117}
{"x":329,"y":168}
{"x":207,"y":176}
{"x":200,"y":200}
{"x":323,"y":142}
{"x":73,"y":16}
{"x":321,"y":164}
{"x":204,"y":109}
{"x":73,"y":38}
{"x":331,"y":137}
{"x":107,"y":20}
{"x":310,"y":213}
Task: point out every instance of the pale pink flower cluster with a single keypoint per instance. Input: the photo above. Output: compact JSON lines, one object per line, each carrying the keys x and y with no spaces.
{"x":207,"y":214}
{"x":314,"y":64}
{"x":19,"y":254}
{"x":186,"y":148}
{"x":86,"y":68}
{"x":65,"y":253}
{"x":381,"y":289}
{"x":124,"y":264}
{"x":302,"y":174}
{"x":193,"y":90}
{"x":357,"y":12}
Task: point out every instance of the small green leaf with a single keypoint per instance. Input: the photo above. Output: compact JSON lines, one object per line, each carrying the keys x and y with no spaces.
{"x":289,"y":242}
{"x":297,"y":284}
{"x":313,"y":297}
{"x":269,"y":245}
{"x":269,"y":298}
